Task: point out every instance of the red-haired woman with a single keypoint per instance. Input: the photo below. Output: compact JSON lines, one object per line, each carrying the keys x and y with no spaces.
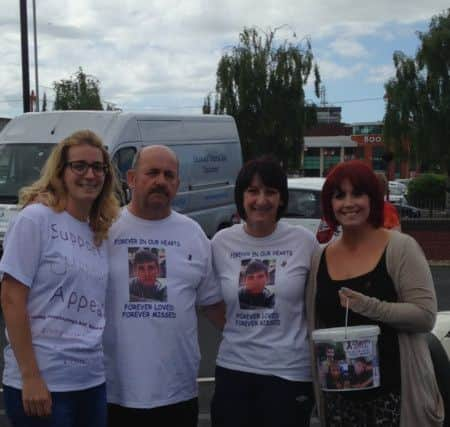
{"x":386,"y":279}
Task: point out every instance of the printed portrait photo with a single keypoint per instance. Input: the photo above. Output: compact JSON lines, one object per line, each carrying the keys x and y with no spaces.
{"x":256,"y":284}
{"x":338,"y":371}
{"x":147,"y":274}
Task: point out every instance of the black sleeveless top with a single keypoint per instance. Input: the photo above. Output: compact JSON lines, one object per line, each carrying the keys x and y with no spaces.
{"x":377,"y":283}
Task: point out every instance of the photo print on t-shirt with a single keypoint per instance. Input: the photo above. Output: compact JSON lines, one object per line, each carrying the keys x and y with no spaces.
{"x":147,"y":274}
{"x":256,"y":284}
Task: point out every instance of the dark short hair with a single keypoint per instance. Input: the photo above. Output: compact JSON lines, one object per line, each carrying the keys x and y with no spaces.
{"x":364,"y":180}
{"x":143,"y":255}
{"x":255,"y":266}
{"x":272,"y":175}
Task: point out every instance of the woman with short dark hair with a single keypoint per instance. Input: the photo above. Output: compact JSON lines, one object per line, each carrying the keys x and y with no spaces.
{"x":384,"y":278}
{"x":263,"y":373}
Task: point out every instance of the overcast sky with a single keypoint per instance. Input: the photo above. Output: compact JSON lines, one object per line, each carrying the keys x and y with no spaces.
{"x":162,"y":55}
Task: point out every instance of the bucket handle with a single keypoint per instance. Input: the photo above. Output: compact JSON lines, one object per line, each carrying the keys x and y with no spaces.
{"x":346,"y":316}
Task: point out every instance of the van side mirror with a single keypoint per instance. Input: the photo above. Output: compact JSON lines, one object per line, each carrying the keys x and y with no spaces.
{"x":126,"y":192}
{"x":123,"y":193}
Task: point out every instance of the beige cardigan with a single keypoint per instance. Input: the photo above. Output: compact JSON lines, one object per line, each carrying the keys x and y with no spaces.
{"x":413,"y":315}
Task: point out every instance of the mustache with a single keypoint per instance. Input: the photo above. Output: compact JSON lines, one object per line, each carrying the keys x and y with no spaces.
{"x":160,"y":190}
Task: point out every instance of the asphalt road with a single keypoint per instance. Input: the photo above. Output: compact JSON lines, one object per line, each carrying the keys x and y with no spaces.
{"x":209,"y":341}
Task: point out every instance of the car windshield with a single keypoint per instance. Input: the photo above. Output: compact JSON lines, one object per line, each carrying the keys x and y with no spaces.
{"x":20,"y":165}
{"x":304,"y":204}
{"x":396,"y":191}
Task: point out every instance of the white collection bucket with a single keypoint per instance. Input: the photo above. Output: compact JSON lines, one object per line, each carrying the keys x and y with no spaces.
{"x":347,"y":358}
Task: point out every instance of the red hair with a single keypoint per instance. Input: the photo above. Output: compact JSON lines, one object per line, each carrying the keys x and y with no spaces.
{"x":364,"y":180}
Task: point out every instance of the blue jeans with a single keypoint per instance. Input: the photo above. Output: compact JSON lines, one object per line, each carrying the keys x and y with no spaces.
{"x":82,"y":408}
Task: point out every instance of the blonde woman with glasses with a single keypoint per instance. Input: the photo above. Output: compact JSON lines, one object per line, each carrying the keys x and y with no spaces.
{"x":54,"y":274}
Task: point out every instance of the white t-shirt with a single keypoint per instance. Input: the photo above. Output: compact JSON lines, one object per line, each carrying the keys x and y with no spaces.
{"x":151,"y":346}
{"x":266,"y":333}
{"x":55,"y":256}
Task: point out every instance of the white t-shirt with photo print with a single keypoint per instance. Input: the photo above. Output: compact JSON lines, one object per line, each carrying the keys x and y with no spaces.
{"x":54,"y":255}
{"x":151,"y":347}
{"x":271,"y":339}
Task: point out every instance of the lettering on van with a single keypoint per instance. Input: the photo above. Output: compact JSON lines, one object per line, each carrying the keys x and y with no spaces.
{"x":210,"y":169}
{"x":210,"y":158}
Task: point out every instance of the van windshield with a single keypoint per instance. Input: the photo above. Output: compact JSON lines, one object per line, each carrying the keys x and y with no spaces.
{"x":20,"y":165}
{"x":303,"y":204}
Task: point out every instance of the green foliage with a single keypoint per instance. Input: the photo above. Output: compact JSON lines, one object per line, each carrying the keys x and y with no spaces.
{"x":418,"y":100}
{"x":261,"y":84}
{"x":206,"y":109}
{"x":81,"y":92}
{"x":44,"y":102}
{"x":427,"y":190}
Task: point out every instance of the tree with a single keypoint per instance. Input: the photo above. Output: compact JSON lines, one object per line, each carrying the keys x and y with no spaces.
{"x":206,"y":109}
{"x":418,"y":100}
{"x":261,"y":84}
{"x":433,"y":58}
{"x":405,"y":125}
{"x":44,"y":102}
{"x":80,"y":92}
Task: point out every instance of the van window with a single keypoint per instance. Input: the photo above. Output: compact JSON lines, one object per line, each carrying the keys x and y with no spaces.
{"x":123,"y":160}
{"x":304,"y":204}
{"x":20,"y":165}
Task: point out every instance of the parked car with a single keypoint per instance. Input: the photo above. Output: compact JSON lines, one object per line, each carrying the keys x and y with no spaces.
{"x":304,"y":207}
{"x":408,"y":211}
{"x":404,"y":181}
{"x":397,"y":188}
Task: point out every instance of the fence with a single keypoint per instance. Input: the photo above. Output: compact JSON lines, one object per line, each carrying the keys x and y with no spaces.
{"x":423,"y":209}
{"x":433,"y":235}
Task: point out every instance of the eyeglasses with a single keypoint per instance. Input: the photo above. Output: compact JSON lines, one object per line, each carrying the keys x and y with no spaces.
{"x":81,"y":167}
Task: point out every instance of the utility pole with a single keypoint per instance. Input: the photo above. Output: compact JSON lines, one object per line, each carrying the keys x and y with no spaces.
{"x":25,"y":63}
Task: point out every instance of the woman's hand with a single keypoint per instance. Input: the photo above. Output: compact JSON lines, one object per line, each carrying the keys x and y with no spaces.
{"x":37,"y":400}
{"x":355,"y":299}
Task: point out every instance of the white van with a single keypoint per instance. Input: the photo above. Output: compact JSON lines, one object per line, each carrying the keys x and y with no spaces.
{"x":207,"y":146}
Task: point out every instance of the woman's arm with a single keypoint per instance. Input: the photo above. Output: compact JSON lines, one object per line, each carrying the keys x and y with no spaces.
{"x":215,"y":313}
{"x":417,"y":306}
{"x":35,"y":394}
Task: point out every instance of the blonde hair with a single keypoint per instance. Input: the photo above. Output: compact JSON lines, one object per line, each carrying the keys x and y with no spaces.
{"x":50,"y":190}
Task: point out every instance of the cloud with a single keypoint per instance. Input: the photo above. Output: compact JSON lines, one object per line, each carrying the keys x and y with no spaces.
{"x":164,"y":53}
{"x":380,"y":74}
{"x":349,"y":48}
{"x":332,"y":71}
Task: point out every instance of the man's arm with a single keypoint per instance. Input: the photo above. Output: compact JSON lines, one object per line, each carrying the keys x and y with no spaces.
{"x":215,"y":313}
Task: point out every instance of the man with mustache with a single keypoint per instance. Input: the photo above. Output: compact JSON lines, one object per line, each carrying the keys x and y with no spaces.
{"x":151,"y":347}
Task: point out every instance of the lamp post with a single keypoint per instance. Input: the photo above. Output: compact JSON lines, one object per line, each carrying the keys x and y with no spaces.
{"x":36,"y":77}
{"x":25,"y":63}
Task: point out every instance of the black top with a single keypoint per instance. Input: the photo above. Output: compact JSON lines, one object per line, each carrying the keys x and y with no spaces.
{"x":377,"y":283}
